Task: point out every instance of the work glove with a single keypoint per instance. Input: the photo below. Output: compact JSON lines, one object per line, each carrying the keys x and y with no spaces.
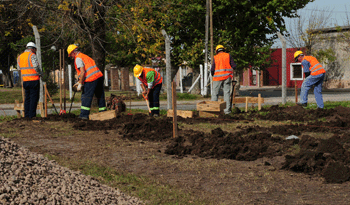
{"x":77,"y":86}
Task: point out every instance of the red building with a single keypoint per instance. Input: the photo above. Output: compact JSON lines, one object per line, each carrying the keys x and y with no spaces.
{"x":272,"y":76}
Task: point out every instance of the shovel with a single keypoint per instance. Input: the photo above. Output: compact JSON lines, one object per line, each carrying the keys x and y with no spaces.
{"x":149,"y":110}
{"x":233,"y":92}
{"x":72,"y":102}
{"x":48,"y":94}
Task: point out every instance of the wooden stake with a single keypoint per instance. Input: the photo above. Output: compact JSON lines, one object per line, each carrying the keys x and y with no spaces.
{"x":259,"y":101}
{"x":174,"y":109}
{"x":64,"y":81}
{"x":45,"y":102}
{"x":246,"y":104}
{"x":60,"y":79}
{"x":23,"y":98}
{"x":296,"y":91}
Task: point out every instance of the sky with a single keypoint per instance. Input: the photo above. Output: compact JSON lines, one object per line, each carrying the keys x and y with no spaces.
{"x":338,"y":8}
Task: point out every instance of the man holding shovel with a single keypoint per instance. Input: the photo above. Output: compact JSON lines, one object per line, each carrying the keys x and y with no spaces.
{"x":92,"y":79}
{"x":151,"y":83}
{"x":222,"y":72}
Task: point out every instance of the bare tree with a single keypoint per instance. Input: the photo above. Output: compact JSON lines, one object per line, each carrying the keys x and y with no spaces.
{"x":300,"y":30}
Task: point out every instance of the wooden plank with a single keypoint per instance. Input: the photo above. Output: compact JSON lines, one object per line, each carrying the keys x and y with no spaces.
{"x":181,"y":113}
{"x":209,"y":114}
{"x":106,"y":115}
{"x":250,"y":100}
{"x":212,"y":106}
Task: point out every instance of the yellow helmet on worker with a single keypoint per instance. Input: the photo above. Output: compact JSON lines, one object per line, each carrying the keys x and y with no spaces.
{"x":71,"y":48}
{"x":138,"y":70}
{"x":297,"y":53}
{"x":219,"y":48}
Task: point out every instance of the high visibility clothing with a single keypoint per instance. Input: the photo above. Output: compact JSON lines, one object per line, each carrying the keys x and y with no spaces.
{"x":223,"y":68}
{"x":28,"y":72}
{"x":316,"y":68}
{"x":158,"y":79}
{"x":91,"y":70}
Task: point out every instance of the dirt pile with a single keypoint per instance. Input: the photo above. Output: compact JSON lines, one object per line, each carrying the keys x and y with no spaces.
{"x":327,"y":158}
{"x":29,"y":178}
{"x":220,"y":144}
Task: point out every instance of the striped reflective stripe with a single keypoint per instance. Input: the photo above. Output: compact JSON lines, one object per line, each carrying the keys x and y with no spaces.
{"x":25,"y":68}
{"x":222,"y":70}
{"x":91,"y":68}
{"x":227,"y":74}
{"x":84,"y":108}
{"x":154,"y":108}
{"x":102,"y":109}
{"x":92,"y":74}
{"x":30,"y":75}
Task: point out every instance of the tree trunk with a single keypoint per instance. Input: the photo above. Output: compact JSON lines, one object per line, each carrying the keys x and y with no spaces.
{"x":99,"y":32}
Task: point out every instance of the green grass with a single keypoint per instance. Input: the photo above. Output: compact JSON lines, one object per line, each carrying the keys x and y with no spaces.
{"x":148,"y":190}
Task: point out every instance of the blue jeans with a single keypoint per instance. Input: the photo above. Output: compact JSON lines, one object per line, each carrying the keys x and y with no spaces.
{"x":91,"y":88}
{"x":32,"y":89}
{"x":317,"y":81}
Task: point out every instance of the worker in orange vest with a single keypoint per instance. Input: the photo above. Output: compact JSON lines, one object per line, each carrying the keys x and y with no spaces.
{"x":90,"y":81}
{"x":151,"y":83}
{"x":28,"y":64}
{"x":222,"y":72}
{"x":314,"y":76}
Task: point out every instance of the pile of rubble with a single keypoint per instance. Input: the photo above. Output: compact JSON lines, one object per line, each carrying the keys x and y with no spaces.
{"x":30,"y":178}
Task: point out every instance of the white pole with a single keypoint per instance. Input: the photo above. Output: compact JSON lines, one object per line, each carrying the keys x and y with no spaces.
{"x":205,"y":79}
{"x":195,"y":82}
{"x":181,"y":88}
{"x":138,"y":86}
{"x":201,"y":74}
{"x":106,"y":78}
{"x":70,"y":81}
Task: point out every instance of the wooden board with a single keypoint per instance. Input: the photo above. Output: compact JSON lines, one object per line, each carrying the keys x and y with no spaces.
{"x":209,"y":114}
{"x":181,"y":113}
{"x":212,"y":106}
{"x":106,"y":115}
{"x":250,"y":100}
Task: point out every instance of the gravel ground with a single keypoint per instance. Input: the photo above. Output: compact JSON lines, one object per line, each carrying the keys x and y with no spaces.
{"x":30,"y":178}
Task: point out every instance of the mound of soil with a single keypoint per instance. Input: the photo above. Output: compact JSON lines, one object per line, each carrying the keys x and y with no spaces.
{"x":321,"y":157}
{"x":220,"y":144}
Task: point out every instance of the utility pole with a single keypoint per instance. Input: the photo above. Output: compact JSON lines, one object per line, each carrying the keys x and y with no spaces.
{"x":211,"y":31}
{"x":206,"y":47}
{"x":168,"y":69}
{"x":284,"y":68}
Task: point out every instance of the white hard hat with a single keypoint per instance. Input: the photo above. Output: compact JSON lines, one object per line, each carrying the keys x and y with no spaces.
{"x":31,"y":44}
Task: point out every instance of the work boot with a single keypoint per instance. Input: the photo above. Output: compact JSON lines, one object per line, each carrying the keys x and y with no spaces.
{"x":302,"y":104}
{"x":155,"y":115}
{"x":83,"y":118}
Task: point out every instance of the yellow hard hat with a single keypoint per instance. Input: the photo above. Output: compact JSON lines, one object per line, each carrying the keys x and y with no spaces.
{"x":71,"y":48}
{"x":219,"y":47}
{"x":297,"y":53}
{"x":138,"y":70}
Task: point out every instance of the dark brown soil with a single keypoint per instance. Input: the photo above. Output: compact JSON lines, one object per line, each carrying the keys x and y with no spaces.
{"x":315,"y":159}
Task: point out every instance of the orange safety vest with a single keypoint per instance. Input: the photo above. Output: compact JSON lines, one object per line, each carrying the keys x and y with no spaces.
{"x":26,"y":66}
{"x":91,"y":70}
{"x":158,"y":79}
{"x":315,"y":68}
{"x":223,"y":68}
